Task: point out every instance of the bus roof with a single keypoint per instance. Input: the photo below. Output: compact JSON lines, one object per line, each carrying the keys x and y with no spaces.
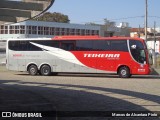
{"x":80,"y":38}
{"x":21,"y":39}
{"x":93,"y":38}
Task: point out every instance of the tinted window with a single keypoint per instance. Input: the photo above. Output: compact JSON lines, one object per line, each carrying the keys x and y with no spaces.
{"x":137,"y":51}
{"x":79,"y":45}
{"x":32,"y":47}
{"x":27,"y":46}
{"x":23,"y":46}
{"x":119,"y":45}
{"x":138,"y":44}
{"x":13,"y":45}
{"x":100,"y":45}
{"x":68,"y":45}
{"x":84,"y":45}
{"x":49,"y":43}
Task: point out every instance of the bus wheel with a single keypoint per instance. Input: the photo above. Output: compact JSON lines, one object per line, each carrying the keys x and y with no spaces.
{"x":124,"y":72}
{"x":33,"y":70}
{"x":45,"y":70}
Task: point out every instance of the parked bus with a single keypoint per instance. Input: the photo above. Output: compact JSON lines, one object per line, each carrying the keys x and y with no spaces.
{"x":79,"y":54}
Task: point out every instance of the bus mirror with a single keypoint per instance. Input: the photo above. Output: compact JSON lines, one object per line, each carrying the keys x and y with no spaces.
{"x":133,"y":46}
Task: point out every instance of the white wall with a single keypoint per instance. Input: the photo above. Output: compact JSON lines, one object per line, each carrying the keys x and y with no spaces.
{"x":151,"y":45}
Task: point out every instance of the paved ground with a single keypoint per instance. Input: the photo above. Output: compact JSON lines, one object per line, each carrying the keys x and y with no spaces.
{"x":2,"y":47}
{"x":20,"y":91}
{"x":2,"y":58}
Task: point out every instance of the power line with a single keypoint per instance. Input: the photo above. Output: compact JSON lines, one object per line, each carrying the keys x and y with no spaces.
{"x":124,"y":18}
{"x":128,"y":18}
{"x":154,"y":16}
{"x":114,"y":19}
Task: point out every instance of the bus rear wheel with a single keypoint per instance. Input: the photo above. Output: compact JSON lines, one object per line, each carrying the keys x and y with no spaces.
{"x":124,"y":72}
{"x":45,"y":70}
{"x":33,"y":70}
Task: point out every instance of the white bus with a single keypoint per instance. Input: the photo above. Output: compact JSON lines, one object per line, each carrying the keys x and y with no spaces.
{"x":79,"y":54}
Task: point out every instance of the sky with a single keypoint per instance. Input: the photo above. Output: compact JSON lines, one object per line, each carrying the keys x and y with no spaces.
{"x":86,"y":11}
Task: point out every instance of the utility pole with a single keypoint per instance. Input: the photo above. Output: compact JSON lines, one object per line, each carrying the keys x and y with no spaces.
{"x":146,"y":18}
{"x":139,"y":31}
{"x":154,"y":36}
{"x":154,"y":55}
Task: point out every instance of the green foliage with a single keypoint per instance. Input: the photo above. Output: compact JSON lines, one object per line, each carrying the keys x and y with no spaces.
{"x":53,"y":17}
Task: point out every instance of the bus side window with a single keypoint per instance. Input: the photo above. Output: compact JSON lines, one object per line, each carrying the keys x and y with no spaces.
{"x":67,"y":46}
{"x":32,"y":47}
{"x":119,"y":45}
{"x":23,"y":46}
{"x":100,"y":45}
{"x":84,"y":45}
{"x":13,"y":45}
{"x":50,"y":43}
{"x":108,"y":45}
{"x":55,"y":44}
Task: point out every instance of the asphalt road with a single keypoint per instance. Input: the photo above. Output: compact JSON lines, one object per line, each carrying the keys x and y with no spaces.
{"x":81,"y":92}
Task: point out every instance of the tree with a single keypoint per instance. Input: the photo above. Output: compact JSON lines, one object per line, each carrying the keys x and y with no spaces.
{"x":53,"y":17}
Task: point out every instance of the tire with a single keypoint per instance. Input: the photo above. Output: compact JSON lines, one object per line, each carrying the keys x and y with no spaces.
{"x":45,"y":70}
{"x":124,"y":72}
{"x":33,"y":70}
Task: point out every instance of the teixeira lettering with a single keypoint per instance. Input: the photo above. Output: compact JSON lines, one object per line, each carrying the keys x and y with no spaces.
{"x":102,"y":55}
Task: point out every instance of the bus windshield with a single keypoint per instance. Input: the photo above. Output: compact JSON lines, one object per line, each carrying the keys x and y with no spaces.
{"x":137,"y":51}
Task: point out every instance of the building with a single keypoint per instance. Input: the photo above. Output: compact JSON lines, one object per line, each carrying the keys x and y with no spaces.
{"x":13,"y":11}
{"x":111,"y":29}
{"x":42,"y":29}
{"x":39,"y":29}
{"x":139,"y":32}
